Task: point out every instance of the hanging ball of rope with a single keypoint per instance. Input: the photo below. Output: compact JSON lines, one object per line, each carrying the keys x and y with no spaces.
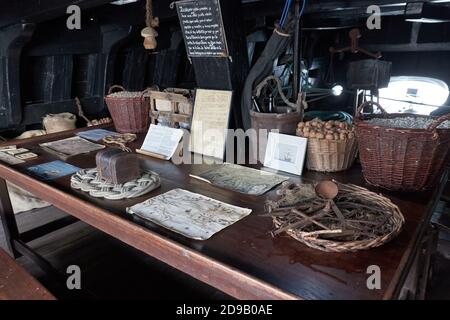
{"x":149,"y":33}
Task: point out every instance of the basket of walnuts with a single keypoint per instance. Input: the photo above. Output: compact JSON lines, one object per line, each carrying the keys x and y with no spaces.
{"x":332,"y":145}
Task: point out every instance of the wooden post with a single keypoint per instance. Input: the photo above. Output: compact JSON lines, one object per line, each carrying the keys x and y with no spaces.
{"x":12,"y":41}
{"x":113,"y":37}
{"x":227,"y":73}
{"x":8,"y":219}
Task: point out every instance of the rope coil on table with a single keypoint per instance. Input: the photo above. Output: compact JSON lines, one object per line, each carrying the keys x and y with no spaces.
{"x":88,"y":180}
{"x":120,"y":140}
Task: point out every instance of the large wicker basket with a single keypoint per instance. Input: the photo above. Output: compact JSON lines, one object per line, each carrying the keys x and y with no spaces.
{"x":392,"y":225}
{"x":331,"y":155}
{"x":402,"y":159}
{"x":130,"y":114}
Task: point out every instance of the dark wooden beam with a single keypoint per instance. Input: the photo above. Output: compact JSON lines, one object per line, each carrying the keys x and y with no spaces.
{"x":17,"y":11}
{"x":227,"y":73}
{"x":333,"y":5}
{"x":58,"y":77}
{"x":164,"y":65}
{"x":12,"y":12}
{"x":33,"y":113}
{"x":135,"y":68}
{"x":7,"y":219}
{"x":113,"y":36}
{"x":50,"y":227}
{"x":412,"y":47}
{"x":26,"y":251}
{"x":328,"y":8}
{"x":12,"y":41}
{"x":53,"y":38}
{"x":85,"y":75}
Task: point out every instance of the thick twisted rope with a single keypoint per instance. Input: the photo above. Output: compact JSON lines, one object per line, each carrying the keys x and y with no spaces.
{"x":88,"y":180}
{"x":149,"y":20}
{"x":120,"y":140}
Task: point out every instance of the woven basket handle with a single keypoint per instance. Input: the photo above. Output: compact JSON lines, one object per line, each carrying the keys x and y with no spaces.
{"x":115,"y":87}
{"x":438,"y":122}
{"x":368,"y":103}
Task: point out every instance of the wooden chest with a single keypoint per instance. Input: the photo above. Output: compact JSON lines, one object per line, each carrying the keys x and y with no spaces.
{"x":116,"y":166}
{"x":173,"y":107}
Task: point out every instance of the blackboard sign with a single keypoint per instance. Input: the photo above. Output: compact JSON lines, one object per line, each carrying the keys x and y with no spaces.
{"x":202,"y":25}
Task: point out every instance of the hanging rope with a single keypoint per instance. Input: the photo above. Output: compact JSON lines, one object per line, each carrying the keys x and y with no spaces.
{"x":149,"y":33}
{"x":264,"y":83}
{"x":81,"y":113}
{"x":149,"y":20}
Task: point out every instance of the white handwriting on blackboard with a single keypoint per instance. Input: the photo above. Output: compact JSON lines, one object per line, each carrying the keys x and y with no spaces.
{"x":202,"y":29}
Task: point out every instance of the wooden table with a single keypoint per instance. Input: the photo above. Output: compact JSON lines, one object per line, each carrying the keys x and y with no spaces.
{"x":243,"y":260}
{"x":18,"y":284}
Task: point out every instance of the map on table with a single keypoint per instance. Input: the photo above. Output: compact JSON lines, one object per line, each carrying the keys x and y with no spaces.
{"x":241,"y":179}
{"x":192,"y":215}
{"x":52,"y":170}
{"x":70,"y":147}
{"x":96,"y":134}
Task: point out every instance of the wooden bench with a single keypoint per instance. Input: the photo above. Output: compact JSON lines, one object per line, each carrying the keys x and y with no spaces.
{"x":17,"y":284}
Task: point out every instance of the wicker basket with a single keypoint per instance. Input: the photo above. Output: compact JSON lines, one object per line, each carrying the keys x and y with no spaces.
{"x":130,"y":115}
{"x":330,"y":155}
{"x":402,"y":159}
{"x":393,"y":224}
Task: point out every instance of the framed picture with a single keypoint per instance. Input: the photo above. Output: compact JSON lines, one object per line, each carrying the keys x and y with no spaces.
{"x":285,"y":153}
{"x":210,"y":122}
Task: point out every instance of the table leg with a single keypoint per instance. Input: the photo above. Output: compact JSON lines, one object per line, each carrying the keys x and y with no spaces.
{"x":8,"y":219}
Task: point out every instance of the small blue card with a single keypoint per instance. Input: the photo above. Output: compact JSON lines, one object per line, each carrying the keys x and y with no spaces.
{"x":96,"y":134}
{"x":52,"y":170}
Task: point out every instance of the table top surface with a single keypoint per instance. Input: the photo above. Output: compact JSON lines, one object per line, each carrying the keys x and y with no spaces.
{"x":247,"y":247}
